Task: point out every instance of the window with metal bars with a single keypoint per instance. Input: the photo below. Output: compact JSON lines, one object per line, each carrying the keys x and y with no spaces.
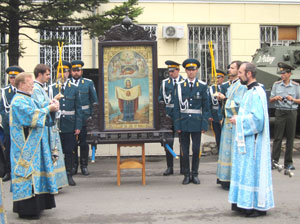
{"x":72,"y":50}
{"x":278,"y":35}
{"x":199,"y":36}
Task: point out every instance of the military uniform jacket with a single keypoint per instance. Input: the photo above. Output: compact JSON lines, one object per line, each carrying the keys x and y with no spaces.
{"x":191,"y":109}
{"x":167,"y":93}
{"x":224,"y":87}
{"x":7,"y":93}
{"x":88,"y":96}
{"x":70,"y":107}
{"x":280,"y":89}
{"x":215,"y":106}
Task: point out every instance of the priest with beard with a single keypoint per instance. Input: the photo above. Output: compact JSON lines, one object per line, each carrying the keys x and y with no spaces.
{"x":251,"y":190}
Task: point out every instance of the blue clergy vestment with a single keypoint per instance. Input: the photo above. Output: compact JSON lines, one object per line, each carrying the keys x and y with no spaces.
{"x":31,"y":163}
{"x":40,"y":95}
{"x":251,"y":177}
{"x":234,"y":96}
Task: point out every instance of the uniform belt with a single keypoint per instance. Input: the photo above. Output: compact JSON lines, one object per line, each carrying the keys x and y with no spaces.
{"x":170,"y":105}
{"x":85,"y":107}
{"x":72,"y":112}
{"x":191,"y":111}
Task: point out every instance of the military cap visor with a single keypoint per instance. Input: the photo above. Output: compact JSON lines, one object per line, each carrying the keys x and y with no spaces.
{"x":284,"y":68}
{"x":13,"y":70}
{"x":191,"y":64}
{"x":65,"y":65}
{"x":77,"y":64}
{"x":220,"y":73}
{"x":172,"y":65}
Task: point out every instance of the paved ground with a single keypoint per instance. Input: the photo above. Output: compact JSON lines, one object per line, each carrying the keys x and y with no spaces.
{"x":97,"y":198}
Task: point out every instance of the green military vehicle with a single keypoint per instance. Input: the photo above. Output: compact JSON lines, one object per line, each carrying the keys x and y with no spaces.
{"x":266,"y":59}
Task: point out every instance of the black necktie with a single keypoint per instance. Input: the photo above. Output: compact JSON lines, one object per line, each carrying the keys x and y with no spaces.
{"x":62,"y":88}
{"x":191,"y":86}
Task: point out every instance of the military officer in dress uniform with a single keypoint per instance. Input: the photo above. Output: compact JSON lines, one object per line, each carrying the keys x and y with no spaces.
{"x":286,"y":95}
{"x":167,"y":95}
{"x":88,"y":96}
{"x":191,"y":111}
{"x":7,"y":94}
{"x":216,"y":115}
{"x":70,"y":121}
{"x":225,"y":85}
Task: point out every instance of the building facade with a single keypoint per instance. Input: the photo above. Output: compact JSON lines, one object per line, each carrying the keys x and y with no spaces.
{"x":183,"y":28}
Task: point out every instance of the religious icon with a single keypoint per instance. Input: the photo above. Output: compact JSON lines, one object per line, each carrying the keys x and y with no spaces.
{"x":128,"y":99}
{"x":128,"y":87}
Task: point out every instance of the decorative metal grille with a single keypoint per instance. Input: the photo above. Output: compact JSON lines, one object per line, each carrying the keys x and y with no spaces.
{"x":199,"y":36}
{"x":269,"y":36}
{"x":151,"y":28}
{"x":72,"y":45}
{"x":2,"y":61}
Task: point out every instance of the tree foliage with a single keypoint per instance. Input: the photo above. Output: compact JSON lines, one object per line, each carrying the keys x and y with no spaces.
{"x":17,"y":16}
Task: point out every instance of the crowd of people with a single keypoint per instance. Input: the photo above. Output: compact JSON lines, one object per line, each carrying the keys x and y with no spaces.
{"x":43,"y":125}
{"x":237,"y":110}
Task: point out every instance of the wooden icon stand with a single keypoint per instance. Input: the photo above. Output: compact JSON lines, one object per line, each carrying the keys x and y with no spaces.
{"x":131,"y":163}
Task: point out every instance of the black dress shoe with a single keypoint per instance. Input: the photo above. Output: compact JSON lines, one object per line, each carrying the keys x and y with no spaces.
{"x":71,"y":181}
{"x":195,"y":180}
{"x":74,"y":171}
{"x":225,"y":185}
{"x":6,"y":177}
{"x":255,"y":213}
{"x":186,"y":180}
{"x":85,"y":171}
{"x":169,"y":171}
{"x":289,"y":167}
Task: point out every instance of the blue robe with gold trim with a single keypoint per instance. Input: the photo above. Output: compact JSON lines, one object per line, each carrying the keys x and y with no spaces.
{"x":234,"y":97}
{"x":41,"y":96}
{"x":31,"y":163}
